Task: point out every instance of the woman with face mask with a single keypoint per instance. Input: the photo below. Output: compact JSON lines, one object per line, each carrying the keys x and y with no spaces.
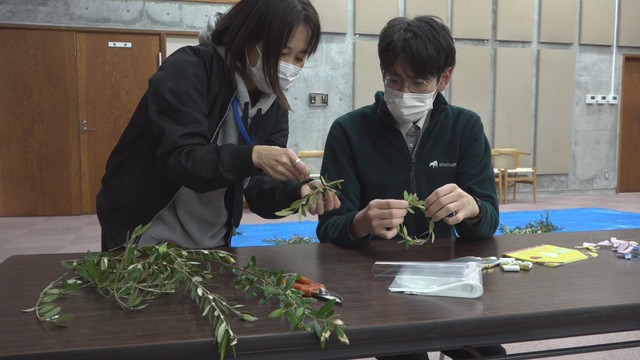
{"x":211,"y":129}
{"x":410,"y":139}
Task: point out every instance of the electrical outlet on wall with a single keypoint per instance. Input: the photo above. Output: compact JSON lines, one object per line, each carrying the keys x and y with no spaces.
{"x":613,"y":99}
{"x":318,"y":99}
{"x":591,"y":99}
{"x":602,"y":99}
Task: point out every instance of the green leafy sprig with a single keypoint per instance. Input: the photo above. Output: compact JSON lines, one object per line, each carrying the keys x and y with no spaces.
{"x":300,"y":206}
{"x":268,"y":286}
{"x":295,"y":239}
{"x":140,"y":274}
{"x":542,"y":225}
{"x":408,"y":240}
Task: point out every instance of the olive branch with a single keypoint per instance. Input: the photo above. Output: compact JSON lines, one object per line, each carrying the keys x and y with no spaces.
{"x":408,"y":240}
{"x":140,"y":274}
{"x":300,"y":206}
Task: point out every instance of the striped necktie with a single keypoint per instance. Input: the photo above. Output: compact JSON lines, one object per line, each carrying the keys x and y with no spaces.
{"x":411,"y":137}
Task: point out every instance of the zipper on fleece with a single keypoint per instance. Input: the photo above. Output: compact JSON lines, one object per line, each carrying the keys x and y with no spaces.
{"x":412,"y":176}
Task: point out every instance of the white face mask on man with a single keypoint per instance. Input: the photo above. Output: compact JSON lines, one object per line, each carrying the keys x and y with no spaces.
{"x":286,"y":74}
{"x":408,"y":107}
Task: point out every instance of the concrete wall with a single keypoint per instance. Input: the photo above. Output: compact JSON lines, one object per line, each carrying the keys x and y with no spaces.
{"x":595,"y":127}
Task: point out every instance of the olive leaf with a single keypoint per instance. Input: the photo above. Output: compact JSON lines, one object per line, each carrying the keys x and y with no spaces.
{"x":138,"y":275}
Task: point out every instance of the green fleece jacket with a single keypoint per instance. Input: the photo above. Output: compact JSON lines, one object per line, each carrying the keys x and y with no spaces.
{"x":367,"y":151}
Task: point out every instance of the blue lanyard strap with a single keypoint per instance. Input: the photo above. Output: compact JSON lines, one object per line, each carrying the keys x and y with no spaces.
{"x":243,"y":130}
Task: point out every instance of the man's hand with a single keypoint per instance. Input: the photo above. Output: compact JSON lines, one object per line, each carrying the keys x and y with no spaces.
{"x":279,"y":163}
{"x":450,"y":204}
{"x":381,"y":218}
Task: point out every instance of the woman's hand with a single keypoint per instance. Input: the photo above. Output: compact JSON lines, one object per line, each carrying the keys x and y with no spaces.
{"x":381,"y":217}
{"x":324,"y":201}
{"x":450,"y":204}
{"x":279,"y":163}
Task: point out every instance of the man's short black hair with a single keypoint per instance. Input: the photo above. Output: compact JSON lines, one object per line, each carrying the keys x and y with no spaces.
{"x":423,"y":43}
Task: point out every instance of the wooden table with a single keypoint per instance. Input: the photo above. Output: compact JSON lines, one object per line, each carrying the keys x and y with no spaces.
{"x":593,"y":296}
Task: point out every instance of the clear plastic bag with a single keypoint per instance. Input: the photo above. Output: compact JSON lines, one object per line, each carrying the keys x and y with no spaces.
{"x":452,"y":279}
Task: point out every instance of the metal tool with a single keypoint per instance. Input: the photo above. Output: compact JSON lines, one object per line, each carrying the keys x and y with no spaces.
{"x":315,"y":289}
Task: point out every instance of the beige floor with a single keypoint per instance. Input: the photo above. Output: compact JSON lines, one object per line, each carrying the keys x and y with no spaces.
{"x":63,"y":234}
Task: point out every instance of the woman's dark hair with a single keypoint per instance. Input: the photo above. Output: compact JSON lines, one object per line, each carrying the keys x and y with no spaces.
{"x":271,"y":22}
{"x":424,"y":43}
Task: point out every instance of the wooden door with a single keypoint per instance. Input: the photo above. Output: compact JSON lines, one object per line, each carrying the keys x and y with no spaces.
{"x":39,"y":147}
{"x":111,"y":80}
{"x":628,"y":159}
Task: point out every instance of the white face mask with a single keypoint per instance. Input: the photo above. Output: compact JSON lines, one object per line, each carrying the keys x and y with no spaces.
{"x":286,"y":74}
{"x":408,"y":107}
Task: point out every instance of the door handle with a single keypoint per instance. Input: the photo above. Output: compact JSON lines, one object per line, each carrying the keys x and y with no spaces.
{"x":84,"y":128}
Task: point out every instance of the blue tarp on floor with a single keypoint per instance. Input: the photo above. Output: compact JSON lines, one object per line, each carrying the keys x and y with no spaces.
{"x":586,"y":219}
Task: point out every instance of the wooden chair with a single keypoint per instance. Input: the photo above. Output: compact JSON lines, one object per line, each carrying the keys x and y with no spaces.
{"x":508,"y":160}
{"x":318,"y":154}
{"x":499,"y":176}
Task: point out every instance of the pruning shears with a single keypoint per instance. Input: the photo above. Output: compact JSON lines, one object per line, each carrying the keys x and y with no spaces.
{"x":314,"y":289}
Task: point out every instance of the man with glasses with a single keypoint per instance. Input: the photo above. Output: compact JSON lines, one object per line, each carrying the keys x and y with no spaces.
{"x":410,"y":139}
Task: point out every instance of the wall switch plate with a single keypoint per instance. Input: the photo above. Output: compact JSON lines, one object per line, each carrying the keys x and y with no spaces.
{"x":591,"y":99}
{"x":602,"y":99}
{"x":318,"y":99}
{"x":613,"y":99}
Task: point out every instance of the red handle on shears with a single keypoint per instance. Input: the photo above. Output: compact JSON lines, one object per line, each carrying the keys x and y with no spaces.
{"x":307,"y":286}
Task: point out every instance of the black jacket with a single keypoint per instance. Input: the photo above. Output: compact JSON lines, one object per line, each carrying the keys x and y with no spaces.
{"x":170,"y":142}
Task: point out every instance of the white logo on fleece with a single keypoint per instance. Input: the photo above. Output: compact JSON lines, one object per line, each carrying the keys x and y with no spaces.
{"x":438,"y":164}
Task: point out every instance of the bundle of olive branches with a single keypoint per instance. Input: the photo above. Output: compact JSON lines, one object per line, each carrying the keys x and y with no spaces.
{"x":140,"y":274}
